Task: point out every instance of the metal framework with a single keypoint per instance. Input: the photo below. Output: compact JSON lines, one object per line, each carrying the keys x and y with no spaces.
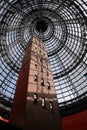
{"x":62,"y":26}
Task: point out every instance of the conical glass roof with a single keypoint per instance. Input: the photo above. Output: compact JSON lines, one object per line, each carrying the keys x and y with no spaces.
{"x":62,"y":26}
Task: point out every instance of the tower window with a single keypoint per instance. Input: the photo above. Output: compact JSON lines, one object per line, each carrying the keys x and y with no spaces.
{"x":48,"y":85}
{"x":42,"y":82}
{"x":47,"y":73}
{"x":41,"y":61}
{"x":35,"y":98}
{"x":41,"y":69}
{"x":35,"y":48}
{"x":43,"y":102}
{"x":35,"y":66}
{"x":35,"y":78}
{"x":40,"y":45}
{"x":51,"y":106}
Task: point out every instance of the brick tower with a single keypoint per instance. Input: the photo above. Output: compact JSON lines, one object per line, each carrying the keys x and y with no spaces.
{"x":35,"y":104}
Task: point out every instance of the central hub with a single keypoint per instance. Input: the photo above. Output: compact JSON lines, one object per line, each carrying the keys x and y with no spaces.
{"x":41,"y":26}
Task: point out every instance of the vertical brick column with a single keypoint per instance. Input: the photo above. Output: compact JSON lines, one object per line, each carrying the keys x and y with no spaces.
{"x":39,"y":114}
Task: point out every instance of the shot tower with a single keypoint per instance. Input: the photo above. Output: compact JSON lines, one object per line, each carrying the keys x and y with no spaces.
{"x":35,"y":104}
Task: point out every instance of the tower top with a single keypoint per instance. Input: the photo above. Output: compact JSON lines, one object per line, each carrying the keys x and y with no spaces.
{"x":34,"y":38}
{"x":37,"y":41}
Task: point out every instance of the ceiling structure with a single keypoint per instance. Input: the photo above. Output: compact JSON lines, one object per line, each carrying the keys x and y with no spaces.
{"x":62,"y":26}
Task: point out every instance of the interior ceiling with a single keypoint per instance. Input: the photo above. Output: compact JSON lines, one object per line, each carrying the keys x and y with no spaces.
{"x":62,"y":26}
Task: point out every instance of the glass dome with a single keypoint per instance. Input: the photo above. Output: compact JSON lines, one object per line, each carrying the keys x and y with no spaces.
{"x":62,"y":26}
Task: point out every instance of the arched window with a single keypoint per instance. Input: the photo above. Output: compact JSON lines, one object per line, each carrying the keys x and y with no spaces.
{"x":43,"y":102}
{"x":41,"y":60}
{"x":47,"y":73}
{"x":48,"y":85}
{"x":51,"y":106}
{"x":35,"y":98}
{"x":42,"y":82}
{"x":41,"y":69}
{"x":35,"y":66}
{"x":35,"y":78}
